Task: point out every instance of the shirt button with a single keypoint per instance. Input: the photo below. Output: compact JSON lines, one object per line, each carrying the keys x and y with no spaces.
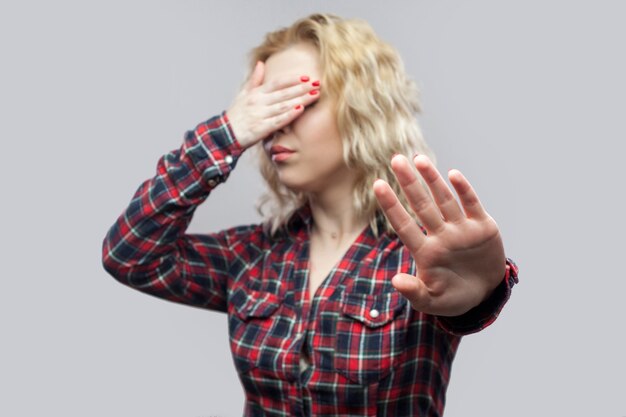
{"x":374,"y":313}
{"x":212,"y":183}
{"x":228,"y":159}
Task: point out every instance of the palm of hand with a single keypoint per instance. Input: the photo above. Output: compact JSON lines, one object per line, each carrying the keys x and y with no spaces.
{"x":461,"y":259}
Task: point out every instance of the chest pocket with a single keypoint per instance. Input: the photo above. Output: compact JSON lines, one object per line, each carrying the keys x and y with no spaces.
{"x":370,"y":335}
{"x":257,"y":330}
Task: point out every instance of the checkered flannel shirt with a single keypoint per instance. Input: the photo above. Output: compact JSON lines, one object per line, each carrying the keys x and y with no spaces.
{"x":371,"y":353}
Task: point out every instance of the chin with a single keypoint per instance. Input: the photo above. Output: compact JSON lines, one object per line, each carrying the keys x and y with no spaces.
{"x":300,"y":186}
{"x":297,"y":188}
{"x":298,"y":179}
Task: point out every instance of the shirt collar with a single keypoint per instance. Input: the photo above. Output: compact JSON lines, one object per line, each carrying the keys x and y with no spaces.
{"x":300,"y":221}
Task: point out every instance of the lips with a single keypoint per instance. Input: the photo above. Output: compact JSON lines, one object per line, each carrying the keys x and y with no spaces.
{"x":275,"y":149}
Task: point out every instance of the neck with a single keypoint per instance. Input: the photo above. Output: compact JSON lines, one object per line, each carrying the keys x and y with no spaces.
{"x":335,"y":222}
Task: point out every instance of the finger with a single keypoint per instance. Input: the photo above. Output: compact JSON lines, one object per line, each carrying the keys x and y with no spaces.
{"x":285,"y":106}
{"x":256,"y":78}
{"x":289,"y":93}
{"x":414,"y":290}
{"x":283,"y":119}
{"x":469,"y":199}
{"x":405,"y":226}
{"x":281,"y":83}
{"x":416,"y":194}
{"x":448,"y":206}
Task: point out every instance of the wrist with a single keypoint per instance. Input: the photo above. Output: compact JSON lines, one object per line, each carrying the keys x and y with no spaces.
{"x":493,"y":282}
{"x":238,"y":136}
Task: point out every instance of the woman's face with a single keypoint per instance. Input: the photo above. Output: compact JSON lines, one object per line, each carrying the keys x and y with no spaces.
{"x":316,"y":165}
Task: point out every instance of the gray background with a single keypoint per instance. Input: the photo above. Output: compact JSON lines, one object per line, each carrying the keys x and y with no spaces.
{"x":526,"y":98}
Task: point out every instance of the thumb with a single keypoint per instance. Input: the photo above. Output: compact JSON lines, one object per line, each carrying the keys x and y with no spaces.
{"x":256,"y":78}
{"x":414,"y":290}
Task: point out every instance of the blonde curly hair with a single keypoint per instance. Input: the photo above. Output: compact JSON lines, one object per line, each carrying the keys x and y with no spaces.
{"x":376,"y":106}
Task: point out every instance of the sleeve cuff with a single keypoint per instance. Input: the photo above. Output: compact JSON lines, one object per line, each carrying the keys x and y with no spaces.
{"x":213,"y":149}
{"x":486,"y":312}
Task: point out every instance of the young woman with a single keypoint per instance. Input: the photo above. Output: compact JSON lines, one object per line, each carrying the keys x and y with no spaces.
{"x":351,"y":297}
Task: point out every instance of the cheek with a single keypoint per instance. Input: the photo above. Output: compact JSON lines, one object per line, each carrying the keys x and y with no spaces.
{"x":317,"y":117}
{"x":319,"y":137}
{"x":305,"y":125}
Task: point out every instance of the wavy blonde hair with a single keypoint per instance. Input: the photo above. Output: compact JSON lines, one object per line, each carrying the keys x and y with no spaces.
{"x":376,"y":104}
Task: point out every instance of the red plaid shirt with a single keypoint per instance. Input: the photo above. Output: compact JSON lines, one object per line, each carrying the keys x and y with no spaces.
{"x":371,"y":353}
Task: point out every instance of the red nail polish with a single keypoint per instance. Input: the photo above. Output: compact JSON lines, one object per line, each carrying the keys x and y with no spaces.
{"x":313,"y":92}
{"x":298,"y":107}
{"x":304,"y":78}
{"x":316,"y":84}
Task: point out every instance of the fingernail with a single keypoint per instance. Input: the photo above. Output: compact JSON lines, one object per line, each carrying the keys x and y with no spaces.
{"x":316,"y":84}
{"x":304,"y":78}
{"x":298,"y":107}
{"x":313,"y":92}
{"x":416,"y":154}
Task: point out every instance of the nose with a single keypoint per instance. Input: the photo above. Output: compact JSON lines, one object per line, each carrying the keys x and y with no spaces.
{"x":277,"y":133}
{"x":282,"y":131}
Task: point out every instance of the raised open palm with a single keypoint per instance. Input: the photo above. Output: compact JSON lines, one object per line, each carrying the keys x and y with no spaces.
{"x":461,"y":258}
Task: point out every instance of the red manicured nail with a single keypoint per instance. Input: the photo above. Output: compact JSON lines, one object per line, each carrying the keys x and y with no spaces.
{"x":304,"y":78}
{"x":316,"y":84}
{"x":298,"y":107}
{"x":313,"y":92}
